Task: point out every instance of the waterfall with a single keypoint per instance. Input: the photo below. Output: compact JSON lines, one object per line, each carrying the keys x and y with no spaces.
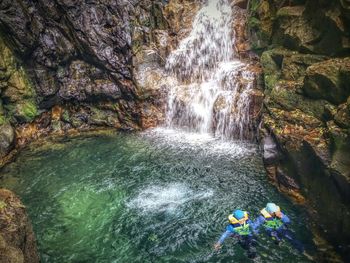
{"x":211,"y":93}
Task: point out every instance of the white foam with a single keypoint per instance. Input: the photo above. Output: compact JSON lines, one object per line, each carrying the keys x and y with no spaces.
{"x":166,"y":198}
{"x":204,"y":142}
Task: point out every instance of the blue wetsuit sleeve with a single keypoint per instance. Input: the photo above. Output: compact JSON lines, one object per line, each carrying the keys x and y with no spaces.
{"x":285,"y":219}
{"x":257,"y":223}
{"x":225,"y":235}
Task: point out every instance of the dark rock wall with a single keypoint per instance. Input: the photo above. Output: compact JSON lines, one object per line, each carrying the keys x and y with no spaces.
{"x":305,"y":54}
{"x":77,"y":56}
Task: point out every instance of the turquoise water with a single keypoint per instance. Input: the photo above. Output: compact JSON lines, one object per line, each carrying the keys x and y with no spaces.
{"x":159,"y":196}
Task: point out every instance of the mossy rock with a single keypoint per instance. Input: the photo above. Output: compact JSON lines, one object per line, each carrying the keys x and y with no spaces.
{"x":7,"y":137}
{"x":18,"y":92}
{"x":253,"y":23}
{"x":290,"y":11}
{"x":26,"y":112}
{"x":2,"y":205}
{"x":2,"y":242}
{"x":3,"y":119}
{"x":329,"y":80}
{"x":12,"y":255}
{"x":254,"y":6}
{"x":294,"y":64}
{"x":104,"y":118}
{"x":285,"y":95}
{"x":65,"y":116}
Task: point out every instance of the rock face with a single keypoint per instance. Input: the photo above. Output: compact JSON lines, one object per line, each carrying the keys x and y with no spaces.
{"x":17,"y":242}
{"x":305,"y":129}
{"x":80,"y":58}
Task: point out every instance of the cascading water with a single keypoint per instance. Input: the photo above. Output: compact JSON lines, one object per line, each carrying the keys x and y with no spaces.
{"x":212,"y":89}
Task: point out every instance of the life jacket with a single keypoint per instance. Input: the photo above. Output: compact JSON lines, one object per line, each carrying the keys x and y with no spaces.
{"x":240,"y":226}
{"x":270,"y":221}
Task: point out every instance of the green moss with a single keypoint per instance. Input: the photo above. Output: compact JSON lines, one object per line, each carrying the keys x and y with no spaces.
{"x":270,"y":81}
{"x":253,"y":23}
{"x":254,"y":6}
{"x":28,"y":111}
{"x":283,"y":12}
{"x":2,"y":120}
{"x":19,"y":90}
{"x":65,"y":116}
{"x":2,"y":205}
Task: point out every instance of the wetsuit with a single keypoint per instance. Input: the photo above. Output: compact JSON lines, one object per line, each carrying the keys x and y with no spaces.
{"x":244,"y":236}
{"x":277,"y":229}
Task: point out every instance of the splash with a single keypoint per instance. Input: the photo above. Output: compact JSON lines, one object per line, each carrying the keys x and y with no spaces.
{"x":167,"y":198}
{"x":212,"y":89}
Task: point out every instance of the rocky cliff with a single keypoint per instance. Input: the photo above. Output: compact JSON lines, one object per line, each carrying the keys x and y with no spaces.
{"x":305,"y":55}
{"x":65,"y":66}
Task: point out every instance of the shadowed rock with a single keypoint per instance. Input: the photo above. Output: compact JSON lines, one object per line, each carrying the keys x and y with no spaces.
{"x":17,"y":242}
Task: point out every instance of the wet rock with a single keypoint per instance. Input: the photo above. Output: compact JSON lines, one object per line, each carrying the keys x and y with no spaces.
{"x":56,"y":52}
{"x":286,"y":181}
{"x":84,"y":82}
{"x":306,"y":102}
{"x":305,"y":30}
{"x":296,"y":30}
{"x":180,"y":16}
{"x":242,"y":43}
{"x":7,"y":137}
{"x":296,"y":26}
{"x":106,"y":118}
{"x":46,"y":85}
{"x":17,"y":93}
{"x":271,"y":153}
{"x":17,"y":241}
{"x":103,"y":32}
{"x":261,"y":23}
{"x":22,"y":23}
{"x":342,"y":116}
{"x":329,"y":80}
{"x":54,"y":49}
{"x":240,"y":3}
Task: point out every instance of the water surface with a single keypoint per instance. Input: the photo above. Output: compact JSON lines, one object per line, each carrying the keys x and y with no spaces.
{"x":160,"y":196}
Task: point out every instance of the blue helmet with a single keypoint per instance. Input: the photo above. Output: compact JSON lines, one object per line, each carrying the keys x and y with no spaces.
{"x":238,"y":214}
{"x":272,"y":208}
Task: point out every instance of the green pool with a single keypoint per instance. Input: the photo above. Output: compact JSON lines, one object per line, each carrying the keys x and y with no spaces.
{"x":159,"y":196}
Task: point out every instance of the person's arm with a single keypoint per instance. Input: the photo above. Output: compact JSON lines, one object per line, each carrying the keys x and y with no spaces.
{"x":225,"y":235}
{"x":257,"y":223}
{"x":285,"y":219}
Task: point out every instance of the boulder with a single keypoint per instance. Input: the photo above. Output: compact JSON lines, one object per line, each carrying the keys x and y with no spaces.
{"x":17,"y":241}
{"x":271,"y":154}
{"x":329,"y":80}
